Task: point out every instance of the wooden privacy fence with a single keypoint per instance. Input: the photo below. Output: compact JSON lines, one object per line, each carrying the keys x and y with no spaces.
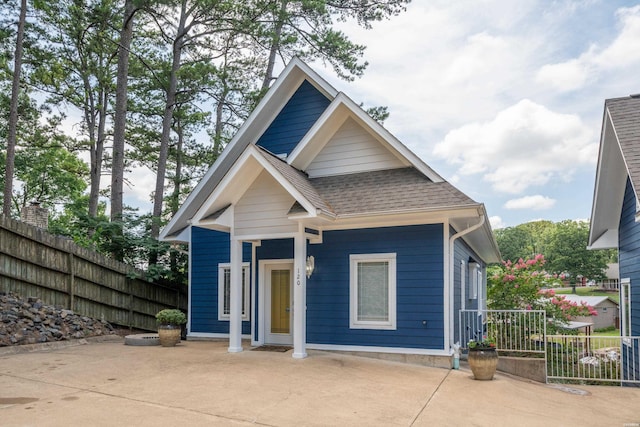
{"x":61,"y":273}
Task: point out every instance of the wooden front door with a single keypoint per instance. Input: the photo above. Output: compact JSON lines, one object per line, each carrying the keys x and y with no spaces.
{"x":278,"y":282}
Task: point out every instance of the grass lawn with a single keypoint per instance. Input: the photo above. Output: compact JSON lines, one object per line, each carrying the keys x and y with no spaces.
{"x":587,"y":291}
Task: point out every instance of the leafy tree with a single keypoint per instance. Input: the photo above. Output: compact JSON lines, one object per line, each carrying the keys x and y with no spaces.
{"x":567,"y":252}
{"x":305,"y":29}
{"x":78,"y":69}
{"x":520,"y":286}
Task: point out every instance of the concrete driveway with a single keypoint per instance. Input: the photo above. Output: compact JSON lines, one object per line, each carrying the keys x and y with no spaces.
{"x":199,"y":383}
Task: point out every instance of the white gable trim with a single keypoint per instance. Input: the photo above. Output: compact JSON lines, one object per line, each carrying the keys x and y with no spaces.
{"x":240,"y":167}
{"x":611,"y":177}
{"x":330,"y":121}
{"x":258,"y":121}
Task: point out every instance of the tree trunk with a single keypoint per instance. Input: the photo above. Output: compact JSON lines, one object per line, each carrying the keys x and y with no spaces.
{"x":120,"y":117}
{"x":166,"y":127}
{"x":98,"y":152}
{"x":13,"y":114}
{"x":275,"y":45}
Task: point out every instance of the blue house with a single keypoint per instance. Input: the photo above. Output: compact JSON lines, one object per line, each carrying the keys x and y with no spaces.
{"x":615,"y":216}
{"x":316,"y":228}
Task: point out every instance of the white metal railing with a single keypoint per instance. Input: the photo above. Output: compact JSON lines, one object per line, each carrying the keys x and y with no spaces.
{"x":593,"y":359}
{"x":514,"y":331}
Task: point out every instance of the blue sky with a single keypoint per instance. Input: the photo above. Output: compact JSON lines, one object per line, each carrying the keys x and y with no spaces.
{"x":503,"y":98}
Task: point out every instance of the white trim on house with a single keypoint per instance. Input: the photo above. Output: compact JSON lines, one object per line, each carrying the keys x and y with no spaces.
{"x":611,"y":172}
{"x":190,"y":299}
{"x":258,"y":121}
{"x":240,"y":178}
{"x":463,"y":284}
{"x":373,"y":349}
{"x":304,"y":153}
{"x":196,"y":336}
{"x":354,"y":321}
{"x":262,"y":269}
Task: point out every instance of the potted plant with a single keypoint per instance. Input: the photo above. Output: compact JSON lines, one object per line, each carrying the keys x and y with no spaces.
{"x":483,"y":358}
{"x":170,"y":323}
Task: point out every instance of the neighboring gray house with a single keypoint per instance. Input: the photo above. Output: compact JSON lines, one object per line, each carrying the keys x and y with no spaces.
{"x":608,"y":311}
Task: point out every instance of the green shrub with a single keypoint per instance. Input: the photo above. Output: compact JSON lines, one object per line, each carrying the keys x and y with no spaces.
{"x":171,"y":317}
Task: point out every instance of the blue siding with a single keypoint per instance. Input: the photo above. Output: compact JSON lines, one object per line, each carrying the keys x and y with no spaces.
{"x":629,"y":254}
{"x":629,"y":258}
{"x":208,"y":249}
{"x":295,"y":119}
{"x":462,"y":252}
{"x":419,"y":280}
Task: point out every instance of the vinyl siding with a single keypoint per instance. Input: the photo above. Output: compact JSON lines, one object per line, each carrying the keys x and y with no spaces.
{"x":263,"y":209}
{"x":629,"y":254}
{"x":209,"y":248}
{"x":419,"y":280}
{"x":629,"y":258}
{"x":296,"y":118}
{"x":462,"y":252}
{"x":352,"y":149}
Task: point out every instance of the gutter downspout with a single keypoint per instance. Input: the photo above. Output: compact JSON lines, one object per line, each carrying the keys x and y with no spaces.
{"x":452,"y":239}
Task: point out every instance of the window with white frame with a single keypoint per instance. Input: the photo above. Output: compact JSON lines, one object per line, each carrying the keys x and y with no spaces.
{"x":474,"y":283}
{"x":625,"y":308}
{"x":373,"y":291}
{"x":224,"y":291}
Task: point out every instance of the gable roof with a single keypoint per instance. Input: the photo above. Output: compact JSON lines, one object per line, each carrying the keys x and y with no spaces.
{"x":618,"y":159}
{"x":593,"y":301}
{"x":315,"y":139}
{"x":408,"y":191}
{"x":265,"y":112}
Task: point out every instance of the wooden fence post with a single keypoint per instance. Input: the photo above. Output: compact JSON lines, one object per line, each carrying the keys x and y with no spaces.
{"x":72,"y":282}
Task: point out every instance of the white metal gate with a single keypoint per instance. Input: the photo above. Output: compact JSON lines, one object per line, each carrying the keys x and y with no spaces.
{"x":587,"y":359}
{"x":577,"y":359}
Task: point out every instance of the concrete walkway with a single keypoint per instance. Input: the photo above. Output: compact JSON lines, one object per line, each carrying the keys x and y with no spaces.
{"x":199,"y":383}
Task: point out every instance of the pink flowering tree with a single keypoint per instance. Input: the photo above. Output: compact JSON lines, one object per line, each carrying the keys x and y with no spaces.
{"x":521,"y":286}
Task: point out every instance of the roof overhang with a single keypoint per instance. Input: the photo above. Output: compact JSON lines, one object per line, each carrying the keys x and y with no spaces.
{"x":267,"y":109}
{"x":611,"y":177}
{"x":235,"y":183}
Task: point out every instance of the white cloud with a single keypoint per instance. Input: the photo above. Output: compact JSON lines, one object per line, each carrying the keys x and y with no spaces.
{"x":496,"y":222}
{"x":565,"y":76}
{"x":525,"y":145}
{"x":537,"y":203}
{"x":621,"y":53}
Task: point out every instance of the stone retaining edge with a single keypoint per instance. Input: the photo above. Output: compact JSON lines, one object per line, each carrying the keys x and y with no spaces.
{"x":57,"y":345}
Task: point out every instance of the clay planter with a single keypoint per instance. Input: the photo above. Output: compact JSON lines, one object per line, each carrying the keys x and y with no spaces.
{"x":169,"y":335}
{"x":483,"y":363}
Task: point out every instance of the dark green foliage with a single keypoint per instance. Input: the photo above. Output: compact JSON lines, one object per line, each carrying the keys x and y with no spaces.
{"x":564,"y":245}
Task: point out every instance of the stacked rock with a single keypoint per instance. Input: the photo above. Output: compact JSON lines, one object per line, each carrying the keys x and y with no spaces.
{"x":31,"y":321}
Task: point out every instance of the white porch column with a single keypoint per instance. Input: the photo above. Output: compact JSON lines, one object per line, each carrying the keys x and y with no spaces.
{"x":235,"y":299}
{"x":300,"y":295}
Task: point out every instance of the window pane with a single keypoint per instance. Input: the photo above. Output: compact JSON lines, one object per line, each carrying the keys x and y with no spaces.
{"x":373,"y":291}
{"x":227,"y":291}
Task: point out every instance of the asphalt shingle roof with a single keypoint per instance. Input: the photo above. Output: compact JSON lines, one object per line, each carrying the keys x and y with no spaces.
{"x":401,"y":189}
{"x":392,"y":190}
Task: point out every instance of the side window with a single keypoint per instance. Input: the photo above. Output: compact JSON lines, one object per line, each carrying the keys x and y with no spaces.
{"x":372,"y":291}
{"x":474,"y":283}
{"x":224,"y":291}
{"x":625,"y":307}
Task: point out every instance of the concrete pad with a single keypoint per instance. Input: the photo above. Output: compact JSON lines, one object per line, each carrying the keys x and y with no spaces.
{"x":200,"y":383}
